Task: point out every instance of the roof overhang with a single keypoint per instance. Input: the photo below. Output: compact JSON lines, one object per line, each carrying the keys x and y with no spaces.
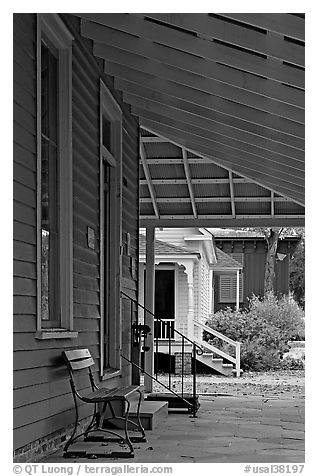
{"x":220,"y":99}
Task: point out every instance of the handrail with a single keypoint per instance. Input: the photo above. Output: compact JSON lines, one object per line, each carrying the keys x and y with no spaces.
{"x":156,"y":380}
{"x":236,"y":360}
{"x":215,"y":333}
{"x":196,"y":350}
{"x":159,"y":319}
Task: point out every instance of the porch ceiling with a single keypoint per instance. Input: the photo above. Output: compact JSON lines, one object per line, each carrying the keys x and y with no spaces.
{"x":220,"y":99}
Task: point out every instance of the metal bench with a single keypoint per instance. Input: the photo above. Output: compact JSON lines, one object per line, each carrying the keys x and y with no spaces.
{"x":80,"y":361}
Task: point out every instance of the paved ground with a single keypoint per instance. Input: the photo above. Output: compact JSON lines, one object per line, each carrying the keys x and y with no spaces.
{"x":260,"y":422}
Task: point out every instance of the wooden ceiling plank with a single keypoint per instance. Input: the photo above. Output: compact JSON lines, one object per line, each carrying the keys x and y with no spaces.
{"x":283,"y":23}
{"x":220,"y":141}
{"x":221,"y":131}
{"x":234,"y":33}
{"x":268,"y":178}
{"x":197,"y":84}
{"x":132,"y":92}
{"x":217,"y":105}
{"x":129,"y":51}
{"x":283,"y":171}
{"x":148,"y":179}
{"x":189,"y":183}
{"x":294,"y":167}
{"x":193,"y":45}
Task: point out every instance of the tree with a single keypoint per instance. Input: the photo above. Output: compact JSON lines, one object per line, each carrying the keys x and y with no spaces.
{"x":297,"y":274}
{"x":271,"y":236}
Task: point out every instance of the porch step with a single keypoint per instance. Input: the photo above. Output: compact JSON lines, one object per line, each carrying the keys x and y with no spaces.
{"x":151,"y":412}
{"x":216,"y":364}
{"x":174,"y":403}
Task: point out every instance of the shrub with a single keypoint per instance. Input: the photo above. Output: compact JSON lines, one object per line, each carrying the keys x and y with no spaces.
{"x":264,"y":330}
{"x":291,"y":363}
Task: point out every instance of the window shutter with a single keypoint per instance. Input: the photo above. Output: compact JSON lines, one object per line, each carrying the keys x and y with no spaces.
{"x":228,"y":282}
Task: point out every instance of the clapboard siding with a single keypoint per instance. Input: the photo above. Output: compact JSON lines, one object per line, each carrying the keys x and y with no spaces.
{"x":42,"y":396}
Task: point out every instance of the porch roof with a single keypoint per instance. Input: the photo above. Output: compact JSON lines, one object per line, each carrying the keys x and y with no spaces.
{"x":220,"y":99}
{"x":164,"y":248}
{"x":224,"y":261}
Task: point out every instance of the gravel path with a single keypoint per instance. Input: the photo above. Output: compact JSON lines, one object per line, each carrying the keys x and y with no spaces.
{"x":291,"y":383}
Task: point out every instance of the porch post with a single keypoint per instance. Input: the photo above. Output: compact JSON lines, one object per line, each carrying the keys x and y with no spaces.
{"x":211,"y":301}
{"x":149,"y":304}
{"x":237,"y":289}
{"x":189,"y":272}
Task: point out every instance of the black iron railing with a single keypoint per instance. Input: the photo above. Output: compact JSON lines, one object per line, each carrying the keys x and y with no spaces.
{"x":166,"y":333}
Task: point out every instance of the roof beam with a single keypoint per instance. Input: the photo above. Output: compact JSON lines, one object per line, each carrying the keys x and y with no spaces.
{"x":225,"y":144}
{"x":232,"y":194}
{"x":222,"y":132}
{"x":231,"y":160}
{"x":237,"y":34}
{"x":148,"y":179}
{"x":181,"y":68}
{"x":192,"y":85}
{"x":215,"y":200}
{"x":190,"y":44}
{"x":207,"y":118}
{"x":282,"y":184}
{"x":169,"y":221}
{"x":189,"y":183}
{"x":153,"y":139}
{"x":200,"y":181}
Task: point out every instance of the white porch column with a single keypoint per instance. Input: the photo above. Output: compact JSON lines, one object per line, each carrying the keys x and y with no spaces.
{"x":150,"y":304}
{"x":189,"y":271}
{"x":237,"y":289}
{"x":211,"y":300}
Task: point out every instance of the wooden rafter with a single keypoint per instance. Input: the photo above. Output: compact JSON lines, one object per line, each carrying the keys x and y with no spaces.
{"x":281,"y":182}
{"x":148,"y":179}
{"x":189,"y":182}
{"x":227,"y":87}
{"x":193,"y":86}
{"x":216,"y":200}
{"x":197,"y":181}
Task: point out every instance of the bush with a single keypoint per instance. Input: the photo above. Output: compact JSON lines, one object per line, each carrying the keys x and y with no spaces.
{"x":291,"y":363}
{"x":264,"y":330}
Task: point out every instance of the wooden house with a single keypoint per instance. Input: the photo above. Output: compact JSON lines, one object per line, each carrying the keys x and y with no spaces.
{"x":123,"y":120}
{"x":250,"y":248}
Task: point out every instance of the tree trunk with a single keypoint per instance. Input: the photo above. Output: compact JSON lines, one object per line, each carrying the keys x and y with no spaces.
{"x":272,"y":242}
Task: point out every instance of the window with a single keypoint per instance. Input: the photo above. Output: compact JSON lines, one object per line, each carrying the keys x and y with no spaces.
{"x":54,"y":178}
{"x":227,"y":283}
{"x":110,"y":231}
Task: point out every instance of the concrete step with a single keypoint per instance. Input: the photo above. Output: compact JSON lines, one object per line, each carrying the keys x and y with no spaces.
{"x":174,"y":402}
{"x":151,"y":412}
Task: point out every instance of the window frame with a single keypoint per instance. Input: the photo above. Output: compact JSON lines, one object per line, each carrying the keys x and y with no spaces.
{"x":232,"y":280}
{"x":110,"y":362}
{"x":51,"y":27}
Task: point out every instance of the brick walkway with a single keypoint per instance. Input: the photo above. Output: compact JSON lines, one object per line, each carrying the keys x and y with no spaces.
{"x":229,"y":429}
